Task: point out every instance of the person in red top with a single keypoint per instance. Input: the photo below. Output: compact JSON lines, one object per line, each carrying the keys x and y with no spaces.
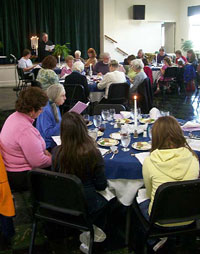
{"x":147,"y":70}
{"x":179,"y":57}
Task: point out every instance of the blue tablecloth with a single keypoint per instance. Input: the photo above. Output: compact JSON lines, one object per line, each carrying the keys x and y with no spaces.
{"x":125,"y":166}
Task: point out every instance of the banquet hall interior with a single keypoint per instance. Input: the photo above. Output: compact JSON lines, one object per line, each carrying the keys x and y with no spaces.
{"x":55,"y":47}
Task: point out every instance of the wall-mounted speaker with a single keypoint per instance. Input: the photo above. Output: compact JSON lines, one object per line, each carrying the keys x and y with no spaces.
{"x":139,"y":12}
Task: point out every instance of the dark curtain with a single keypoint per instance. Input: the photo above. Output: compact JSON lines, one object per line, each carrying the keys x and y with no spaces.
{"x":73,"y":21}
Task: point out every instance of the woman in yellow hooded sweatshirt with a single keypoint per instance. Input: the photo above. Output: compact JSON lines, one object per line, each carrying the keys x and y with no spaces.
{"x":171,"y":160}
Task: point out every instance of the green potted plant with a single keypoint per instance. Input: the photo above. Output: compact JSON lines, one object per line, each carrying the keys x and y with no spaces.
{"x":187,"y":45}
{"x":61,"y":50}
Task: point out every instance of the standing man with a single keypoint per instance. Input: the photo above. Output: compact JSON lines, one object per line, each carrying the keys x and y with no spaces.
{"x":45,"y":47}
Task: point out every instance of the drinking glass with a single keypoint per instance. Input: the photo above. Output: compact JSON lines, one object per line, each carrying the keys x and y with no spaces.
{"x":97,"y":120}
{"x":125,"y":141}
{"x":112,"y":114}
{"x":102,"y":127}
{"x":86,"y":118}
{"x":149,"y":130}
{"x":93,"y":134}
{"x":139,"y":113}
{"x":105,"y":115}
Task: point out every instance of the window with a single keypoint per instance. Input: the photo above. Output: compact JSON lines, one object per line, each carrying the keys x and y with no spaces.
{"x":194,"y":31}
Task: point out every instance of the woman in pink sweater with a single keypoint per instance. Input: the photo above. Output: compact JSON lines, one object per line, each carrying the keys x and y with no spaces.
{"x":21,"y":144}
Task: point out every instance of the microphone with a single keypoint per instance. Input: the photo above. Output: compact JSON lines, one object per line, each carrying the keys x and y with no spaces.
{"x":13,"y":56}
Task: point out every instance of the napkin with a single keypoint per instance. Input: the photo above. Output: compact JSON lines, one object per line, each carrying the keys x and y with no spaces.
{"x":142,"y":156}
{"x":118,"y":116}
{"x":57,"y":140}
{"x":125,"y":114}
{"x":191,"y":126}
{"x":103,"y":151}
{"x":142,"y":196}
{"x":194,"y":144}
{"x":154,"y":113}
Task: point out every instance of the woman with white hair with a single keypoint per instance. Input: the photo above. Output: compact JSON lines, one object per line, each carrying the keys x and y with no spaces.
{"x":78,"y":57}
{"x":48,"y":122}
{"x":137,"y":65}
{"x":76,"y":77}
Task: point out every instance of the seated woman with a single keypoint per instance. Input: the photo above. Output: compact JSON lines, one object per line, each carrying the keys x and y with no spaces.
{"x":148,"y":70}
{"x":7,"y":210}
{"x":191,"y":57}
{"x":46,"y":75}
{"x":167,"y":63}
{"x":161,"y":55}
{"x":78,"y":57}
{"x":48,"y":122}
{"x":140,"y":54}
{"x":92,"y":60}
{"x":77,"y":78}
{"x":66,"y":70}
{"x":22,"y":146}
{"x":180,"y":57}
{"x":171,"y":159}
{"x":78,"y":155}
{"x":26,"y":64}
{"x":137,"y":66}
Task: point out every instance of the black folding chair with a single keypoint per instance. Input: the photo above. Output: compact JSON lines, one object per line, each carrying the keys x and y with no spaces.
{"x":118,"y":93}
{"x":174,"y":202}
{"x":145,"y":96}
{"x":170,"y":79}
{"x":23,"y":81}
{"x":59,"y":198}
{"x":74,"y":93}
{"x":118,"y":107}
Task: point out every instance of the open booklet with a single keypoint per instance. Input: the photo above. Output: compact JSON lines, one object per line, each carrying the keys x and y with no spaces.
{"x":79,"y":107}
{"x":49,"y":48}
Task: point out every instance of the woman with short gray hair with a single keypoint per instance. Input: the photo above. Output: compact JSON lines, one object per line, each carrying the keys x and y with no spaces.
{"x":48,"y":123}
{"x":137,"y":65}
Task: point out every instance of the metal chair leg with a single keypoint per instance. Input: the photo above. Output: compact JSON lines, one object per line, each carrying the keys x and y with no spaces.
{"x":34,"y":228}
{"x":91,"y":242}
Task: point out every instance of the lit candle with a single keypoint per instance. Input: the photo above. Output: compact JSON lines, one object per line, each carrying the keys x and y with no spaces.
{"x":59,"y":60}
{"x":34,"y":43}
{"x":135,"y":110}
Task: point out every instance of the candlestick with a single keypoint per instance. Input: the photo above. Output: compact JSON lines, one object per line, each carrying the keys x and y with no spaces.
{"x":135,"y":110}
{"x":59,"y":60}
{"x":90,"y":72}
{"x":36,"y":51}
{"x":156,"y":59}
{"x":34,"y":44}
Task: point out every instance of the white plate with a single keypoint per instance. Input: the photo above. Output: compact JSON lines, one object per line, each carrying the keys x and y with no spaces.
{"x":90,"y":123}
{"x":147,"y":120}
{"x":107,"y":142}
{"x":141,"y":146}
{"x":125,"y":120}
{"x":125,"y":114}
{"x":100,"y":134}
{"x":115,"y":135}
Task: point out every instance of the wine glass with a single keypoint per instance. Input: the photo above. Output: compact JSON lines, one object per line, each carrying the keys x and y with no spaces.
{"x":112,"y":114}
{"x":86,"y":118}
{"x":125,"y":140}
{"x":97,"y":120}
{"x":105,"y":115}
{"x":102,"y":127}
{"x":139,"y":113}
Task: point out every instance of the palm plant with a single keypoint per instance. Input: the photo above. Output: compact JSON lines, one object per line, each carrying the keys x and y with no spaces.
{"x":187,"y":45}
{"x":61,"y":50}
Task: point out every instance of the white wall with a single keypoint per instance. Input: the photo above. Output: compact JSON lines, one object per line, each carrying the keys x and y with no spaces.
{"x":131,"y":35}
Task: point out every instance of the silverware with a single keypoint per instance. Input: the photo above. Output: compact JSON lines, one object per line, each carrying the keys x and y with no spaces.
{"x":132,"y":154}
{"x":115,"y":152}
